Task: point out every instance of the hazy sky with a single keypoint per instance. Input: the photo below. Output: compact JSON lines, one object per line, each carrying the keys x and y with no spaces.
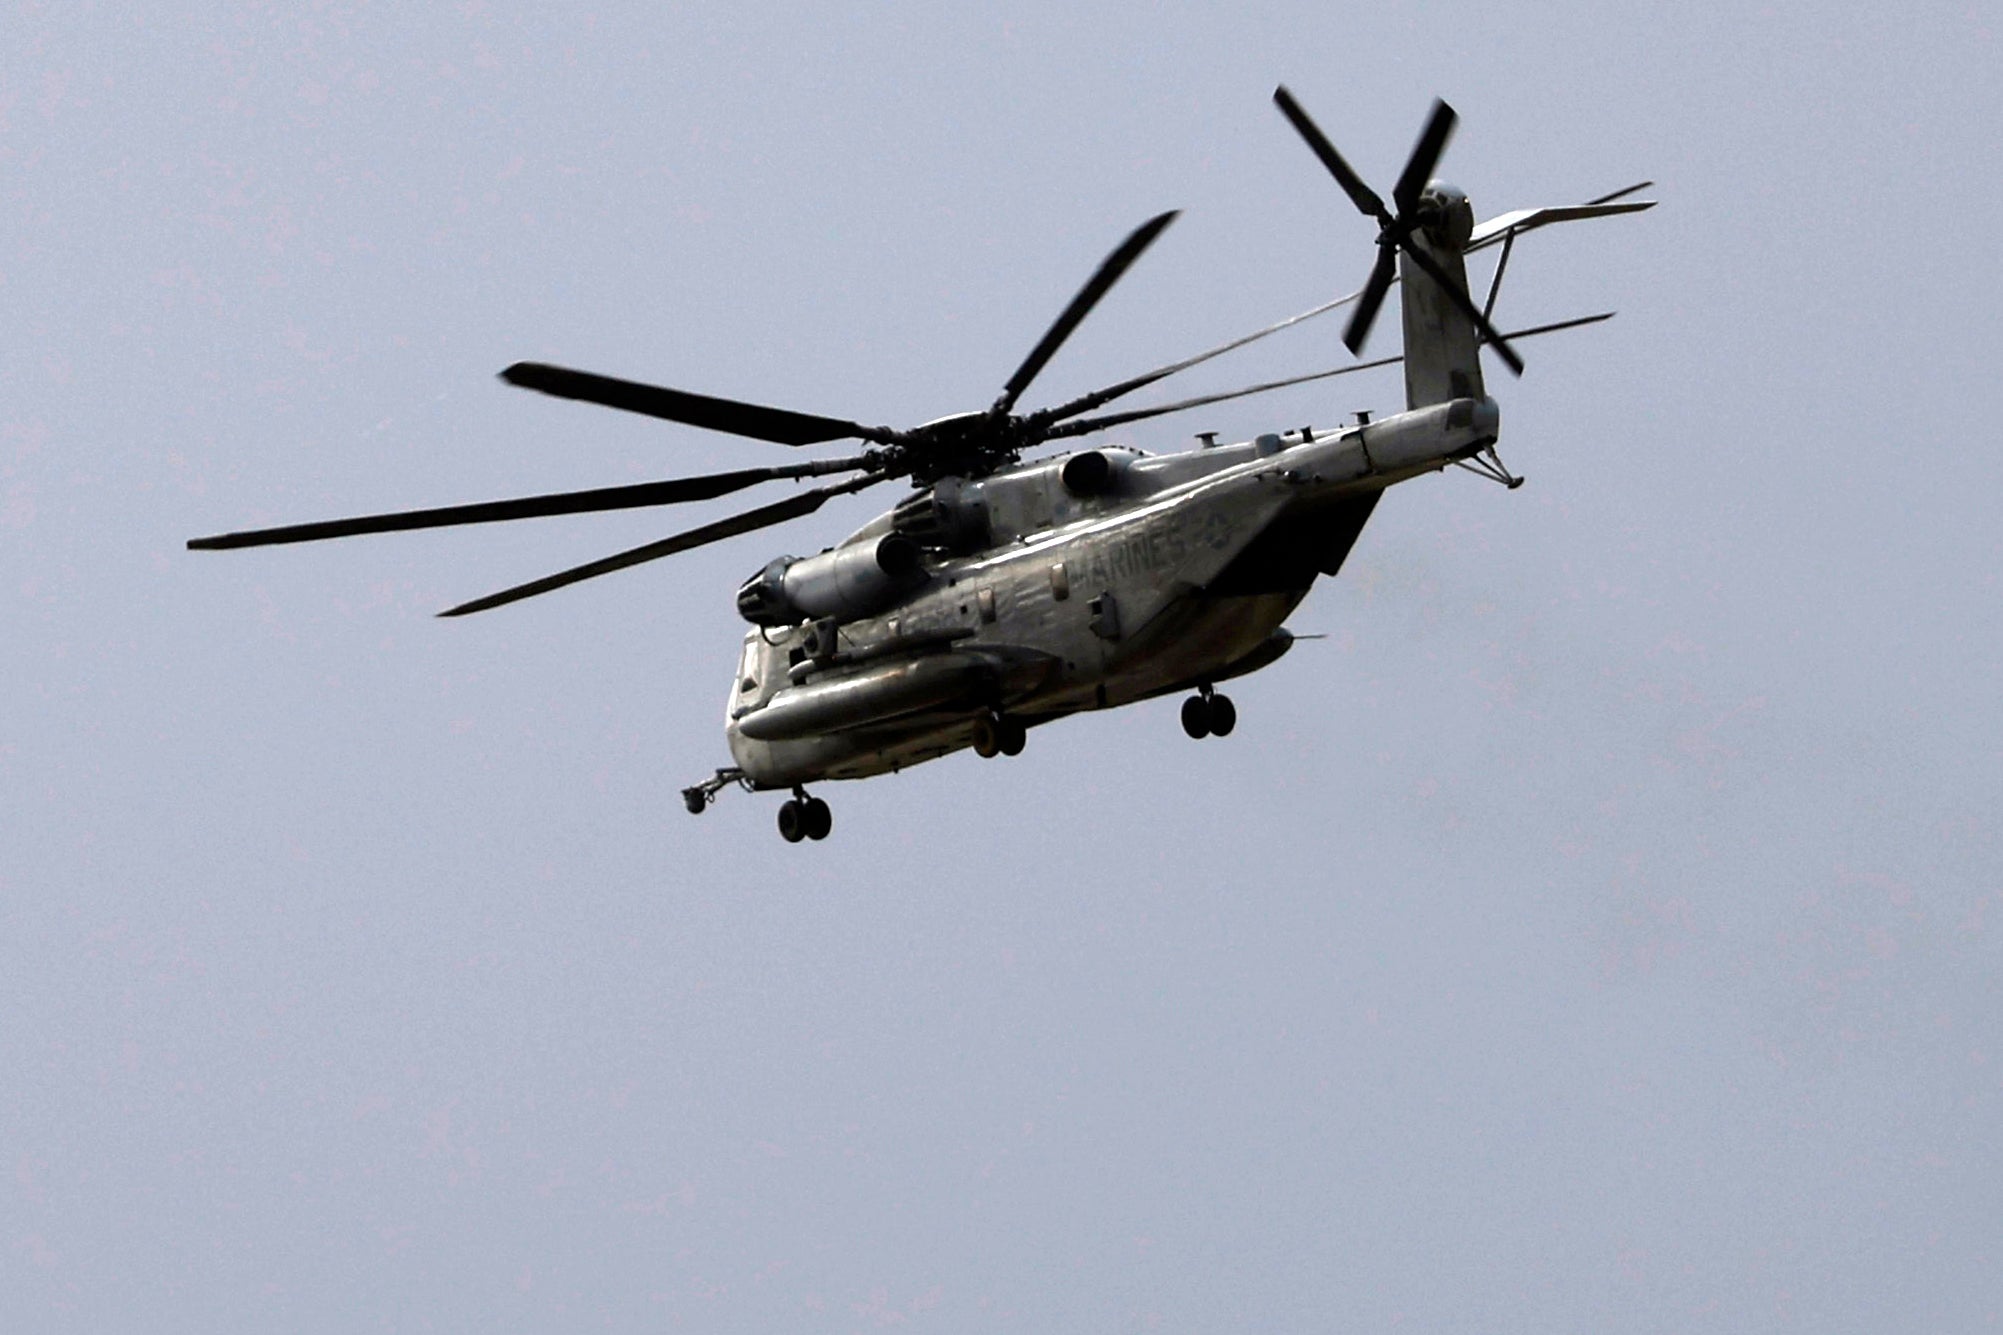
{"x":1599,"y":931}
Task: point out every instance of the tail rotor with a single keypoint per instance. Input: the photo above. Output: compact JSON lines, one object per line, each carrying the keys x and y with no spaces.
{"x":1417,"y":210}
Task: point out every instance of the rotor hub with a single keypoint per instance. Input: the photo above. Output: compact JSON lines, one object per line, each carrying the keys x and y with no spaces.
{"x":1445,"y":215}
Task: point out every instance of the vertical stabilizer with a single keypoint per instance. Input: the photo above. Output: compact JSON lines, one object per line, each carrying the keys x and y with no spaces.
{"x":1442,"y":346}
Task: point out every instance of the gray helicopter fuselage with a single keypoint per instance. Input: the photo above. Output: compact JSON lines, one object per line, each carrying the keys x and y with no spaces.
{"x":1000,"y":595}
{"x":1179,"y":571}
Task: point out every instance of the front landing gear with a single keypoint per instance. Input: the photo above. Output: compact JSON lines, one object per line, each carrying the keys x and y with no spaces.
{"x":698,"y":797}
{"x":1208,"y":714}
{"x":803,"y":817}
{"x":800,"y":816}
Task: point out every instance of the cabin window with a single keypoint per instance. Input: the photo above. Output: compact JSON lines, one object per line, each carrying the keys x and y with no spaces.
{"x":1105,"y":621}
{"x":1060,"y":582}
{"x":747,"y":666}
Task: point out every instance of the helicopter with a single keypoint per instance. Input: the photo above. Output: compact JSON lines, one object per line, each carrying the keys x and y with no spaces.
{"x":1004,"y":593}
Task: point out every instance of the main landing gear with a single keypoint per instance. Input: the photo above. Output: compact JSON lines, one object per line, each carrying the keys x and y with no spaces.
{"x":800,"y":816}
{"x":999,"y":735}
{"x":1208,"y":714}
{"x":803,"y":817}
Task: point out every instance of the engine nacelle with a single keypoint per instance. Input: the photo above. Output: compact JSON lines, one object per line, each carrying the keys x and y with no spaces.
{"x":1091,"y":473}
{"x":851,"y":581}
{"x":951,"y":515}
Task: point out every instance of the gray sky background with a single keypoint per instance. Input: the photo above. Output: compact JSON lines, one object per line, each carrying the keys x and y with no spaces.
{"x":1598,"y":931}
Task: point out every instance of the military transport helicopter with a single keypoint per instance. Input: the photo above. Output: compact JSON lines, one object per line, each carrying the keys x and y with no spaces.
{"x":1004,"y":593}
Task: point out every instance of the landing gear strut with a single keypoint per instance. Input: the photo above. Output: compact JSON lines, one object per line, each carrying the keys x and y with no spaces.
{"x":803,"y":817}
{"x":1208,"y":714}
{"x":800,"y":816}
{"x":698,"y":797}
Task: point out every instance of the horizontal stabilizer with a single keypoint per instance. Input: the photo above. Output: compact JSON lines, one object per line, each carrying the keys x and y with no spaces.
{"x":1527,"y":220}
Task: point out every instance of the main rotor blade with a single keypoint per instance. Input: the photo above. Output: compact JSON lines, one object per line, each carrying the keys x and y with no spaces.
{"x":1618,"y":194}
{"x":1425,"y":156}
{"x":1081,"y":305}
{"x":1382,"y":274}
{"x":671,"y":492}
{"x":1087,"y":425}
{"x":763,"y":517}
{"x":1518,"y":335}
{"x":1360,"y":194}
{"x":739,"y":419}
{"x":1098,"y":398}
{"x":1458,"y":295}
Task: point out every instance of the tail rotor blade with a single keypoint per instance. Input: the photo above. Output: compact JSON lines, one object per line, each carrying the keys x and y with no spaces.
{"x":1425,"y":157}
{"x":1101,"y":282}
{"x":1373,"y":297}
{"x":1360,"y":194}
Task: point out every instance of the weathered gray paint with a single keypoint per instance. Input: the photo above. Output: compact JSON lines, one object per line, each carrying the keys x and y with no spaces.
{"x":1153,"y":545}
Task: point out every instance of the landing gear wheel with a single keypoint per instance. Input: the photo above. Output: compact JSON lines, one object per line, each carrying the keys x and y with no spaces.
{"x":1196,"y":717}
{"x":1013,"y":736}
{"x":1223,"y":716}
{"x":987,"y":737}
{"x":792,"y":821}
{"x":816,"y":819}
